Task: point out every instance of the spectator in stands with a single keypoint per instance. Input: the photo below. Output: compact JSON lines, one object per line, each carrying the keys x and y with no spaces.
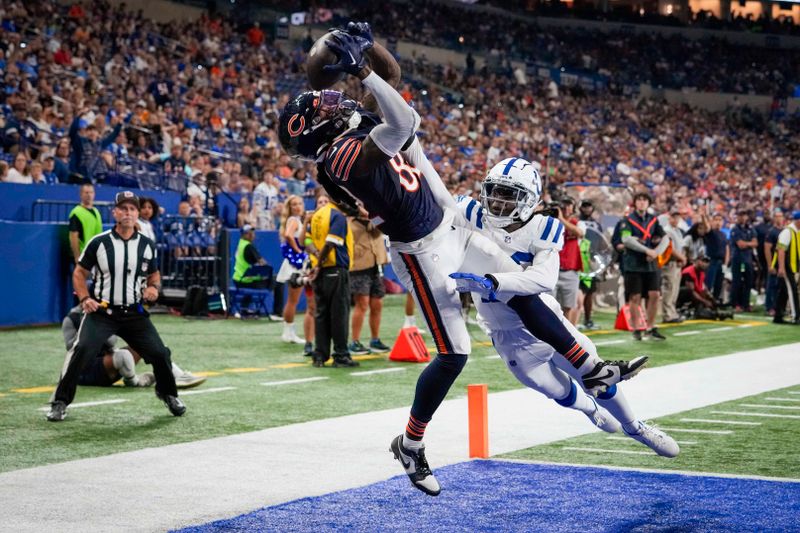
{"x":3,"y":171}
{"x":265,"y":201}
{"x":87,"y":143}
{"x":176,"y":237}
{"x":292,"y":234}
{"x":148,"y":211}
{"x":37,"y":174}
{"x":671,"y":270}
{"x":48,"y":170}
{"x":770,"y":250}
{"x":566,"y":291}
{"x":743,"y":243}
{"x":84,"y":221}
{"x":12,"y":131}
{"x":366,"y":282}
{"x":20,"y":170}
{"x":718,"y":252}
{"x":61,"y":162}
{"x":243,"y":213}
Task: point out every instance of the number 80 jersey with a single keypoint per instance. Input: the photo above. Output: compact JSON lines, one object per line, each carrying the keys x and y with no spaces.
{"x":395,"y":193}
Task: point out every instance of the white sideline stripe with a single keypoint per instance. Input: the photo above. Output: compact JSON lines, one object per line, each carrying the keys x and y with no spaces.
{"x":745,"y":326}
{"x":628,"y":439}
{"x":765,"y":415}
{"x":87,"y":404}
{"x":205,"y":391}
{"x":292,"y":381}
{"x":609,"y":343}
{"x":231,"y":480}
{"x":715,"y":421}
{"x":723,"y":328}
{"x":497,"y":356}
{"x":783,"y":399}
{"x":787,"y":407}
{"x":685,"y":333}
{"x":793,"y":392}
{"x":688,"y":473}
{"x":603,"y":450}
{"x":705,"y":431}
{"x":381,"y":371}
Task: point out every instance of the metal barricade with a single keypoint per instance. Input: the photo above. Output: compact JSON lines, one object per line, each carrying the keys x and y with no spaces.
{"x":188,"y":251}
{"x":58,"y":210}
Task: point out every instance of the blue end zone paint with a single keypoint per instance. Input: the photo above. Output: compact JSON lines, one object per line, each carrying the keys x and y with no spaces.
{"x":500,"y":496}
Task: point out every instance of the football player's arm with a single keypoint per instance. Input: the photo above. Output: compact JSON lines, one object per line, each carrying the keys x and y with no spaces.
{"x":385,"y":65}
{"x":400,"y":122}
{"x":415,"y":155}
{"x":541,"y":276}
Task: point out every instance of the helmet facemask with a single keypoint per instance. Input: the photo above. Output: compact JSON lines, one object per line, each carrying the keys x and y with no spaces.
{"x":506,"y":203}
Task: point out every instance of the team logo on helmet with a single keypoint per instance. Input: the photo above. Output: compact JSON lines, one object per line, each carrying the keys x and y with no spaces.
{"x":294,"y":132}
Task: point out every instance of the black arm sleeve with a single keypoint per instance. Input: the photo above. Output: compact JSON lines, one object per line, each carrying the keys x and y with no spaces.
{"x":75,"y":224}
{"x":88,"y":259}
{"x":251,"y":255}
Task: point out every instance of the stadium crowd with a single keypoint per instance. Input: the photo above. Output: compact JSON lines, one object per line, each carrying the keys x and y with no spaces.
{"x":99,"y":93}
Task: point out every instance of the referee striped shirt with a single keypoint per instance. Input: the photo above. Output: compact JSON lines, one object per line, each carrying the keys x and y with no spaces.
{"x":120,"y":266}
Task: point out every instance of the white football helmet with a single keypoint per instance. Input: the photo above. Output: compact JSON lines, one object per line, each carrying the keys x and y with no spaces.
{"x":511,"y":192}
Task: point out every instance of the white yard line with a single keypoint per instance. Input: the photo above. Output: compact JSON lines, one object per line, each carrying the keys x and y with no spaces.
{"x":724,"y":328}
{"x":686,"y":333}
{"x":87,"y":404}
{"x":206,"y":391}
{"x":222,"y":477}
{"x":782,"y":399}
{"x":293,"y":381}
{"x":381,"y":371}
{"x":715,"y":421}
{"x":793,"y":392}
{"x":604,"y":450}
{"x":762,"y":405}
{"x":497,"y":356}
{"x":704,"y":431}
{"x":763,"y":415}
{"x":628,"y":439}
{"x":609,"y":343}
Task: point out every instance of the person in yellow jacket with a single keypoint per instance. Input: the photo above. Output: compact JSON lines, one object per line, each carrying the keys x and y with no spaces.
{"x":84,"y":222}
{"x":333,"y":242}
{"x":787,"y":262}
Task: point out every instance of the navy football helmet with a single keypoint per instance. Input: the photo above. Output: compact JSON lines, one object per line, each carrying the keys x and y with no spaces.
{"x":312,"y":120}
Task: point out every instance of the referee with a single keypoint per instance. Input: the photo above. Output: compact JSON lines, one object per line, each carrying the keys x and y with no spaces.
{"x":123,"y":263}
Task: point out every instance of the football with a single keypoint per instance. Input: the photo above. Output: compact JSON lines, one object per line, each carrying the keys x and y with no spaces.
{"x":319,"y":56}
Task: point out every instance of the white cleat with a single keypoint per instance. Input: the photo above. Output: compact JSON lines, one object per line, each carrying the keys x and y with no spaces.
{"x":416,"y":467}
{"x":145,"y":379}
{"x":603,"y":419}
{"x":655,"y":439}
{"x":187,"y":380}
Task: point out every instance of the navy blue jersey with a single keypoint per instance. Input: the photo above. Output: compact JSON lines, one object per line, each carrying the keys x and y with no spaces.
{"x":395,"y":193}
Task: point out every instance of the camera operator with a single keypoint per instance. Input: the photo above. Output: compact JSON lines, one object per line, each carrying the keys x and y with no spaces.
{"x":331,"y":236}
{"x":695,"y":296}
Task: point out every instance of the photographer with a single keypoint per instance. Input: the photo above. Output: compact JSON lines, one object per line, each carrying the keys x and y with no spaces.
{"x":695,"y":296}
{"x":571,"y":262}
{"x":331,"y":236}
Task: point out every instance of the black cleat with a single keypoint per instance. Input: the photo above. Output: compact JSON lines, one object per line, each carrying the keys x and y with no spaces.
{"x":173,"y":403}
{"x":655,"y":335}
{"x":344,"y":362}
{"x":58,"y":411}
{"x":608,"y":373}
{"x":637,"y":335}
{"x":416,"y":467}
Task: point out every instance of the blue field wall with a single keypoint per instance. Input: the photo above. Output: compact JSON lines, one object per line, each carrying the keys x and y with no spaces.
{"x":16,"y":201}
{"x":35,"y":273}
{"x":500,"y":496}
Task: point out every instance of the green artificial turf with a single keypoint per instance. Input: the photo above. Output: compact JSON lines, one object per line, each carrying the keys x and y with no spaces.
{"x":33,"y":358}
{"x":767,"y":449}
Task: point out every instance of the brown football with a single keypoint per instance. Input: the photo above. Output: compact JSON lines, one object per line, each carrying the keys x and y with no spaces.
{"x":319,"y":56}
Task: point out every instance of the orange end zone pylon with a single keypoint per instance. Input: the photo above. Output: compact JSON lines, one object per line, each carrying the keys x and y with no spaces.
{"x":478,"y":409}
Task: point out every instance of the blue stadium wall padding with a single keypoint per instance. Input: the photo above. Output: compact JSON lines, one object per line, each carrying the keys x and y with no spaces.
{"x":16,"y":201}
{"x":35,"y":273}
{"x":268,"y":245}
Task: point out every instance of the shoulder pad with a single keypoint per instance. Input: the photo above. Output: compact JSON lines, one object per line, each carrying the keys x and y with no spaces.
{"x":546,"y":233}
{"x":471,"y":209}
{"x":340,"y":158}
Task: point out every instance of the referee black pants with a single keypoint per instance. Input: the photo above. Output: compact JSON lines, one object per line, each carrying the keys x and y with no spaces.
{"x":332,"y":321}
{"x":135,"y":329}
{"x":787,"y":294}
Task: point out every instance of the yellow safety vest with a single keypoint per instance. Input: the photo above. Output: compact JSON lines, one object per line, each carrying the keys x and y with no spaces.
{"x":793,"y":251}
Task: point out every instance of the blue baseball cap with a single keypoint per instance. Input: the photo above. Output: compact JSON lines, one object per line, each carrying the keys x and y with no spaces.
{"x":796,"y":215}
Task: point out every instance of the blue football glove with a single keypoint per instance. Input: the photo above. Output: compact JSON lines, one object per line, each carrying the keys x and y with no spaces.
{"x":350,"y":52}
{"x":466,"y":282}
{"x":362,"y":30}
